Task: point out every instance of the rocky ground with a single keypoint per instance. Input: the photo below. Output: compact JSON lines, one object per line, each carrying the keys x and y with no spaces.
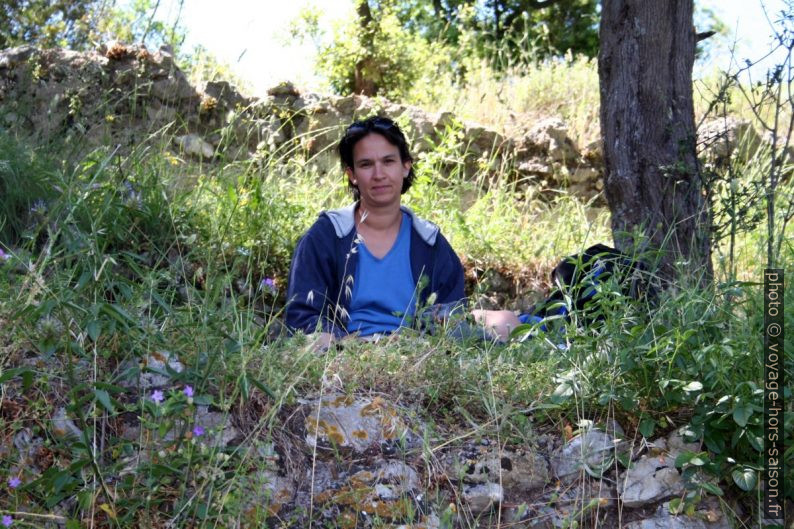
{"x":370,"y":460}
{"x":339,"y":458}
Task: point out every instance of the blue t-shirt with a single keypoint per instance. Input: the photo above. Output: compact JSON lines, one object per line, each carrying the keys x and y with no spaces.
{"x":383,"y":289}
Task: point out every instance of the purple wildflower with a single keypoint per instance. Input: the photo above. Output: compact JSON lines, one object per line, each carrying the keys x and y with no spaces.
{"x":4,"y":256}
{"x":188,"y":391}
{"x":7,"y":520}
{"x":198,"y":431}
{"x":39,"y":206}
{"x":157,"y":396}
{"x":268,"y":283}
{"x":14,"y":482}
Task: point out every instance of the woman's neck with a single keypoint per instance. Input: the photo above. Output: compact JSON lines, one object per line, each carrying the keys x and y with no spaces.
{"x":378,"y":218}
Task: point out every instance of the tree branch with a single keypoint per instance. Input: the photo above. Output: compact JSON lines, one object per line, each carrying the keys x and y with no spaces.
{"x":526,"y":5}
{"x":704,"y":35}
{"x":537,"y":4}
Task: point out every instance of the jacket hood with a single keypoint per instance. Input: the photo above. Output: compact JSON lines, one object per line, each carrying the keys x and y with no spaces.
{"x":343,"y":220}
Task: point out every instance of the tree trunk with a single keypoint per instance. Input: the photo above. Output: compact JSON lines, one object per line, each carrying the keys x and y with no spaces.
{"x":652,"y":179}
{"x":363,"y":83}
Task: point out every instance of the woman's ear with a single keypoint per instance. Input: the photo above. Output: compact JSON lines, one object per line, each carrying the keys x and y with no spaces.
{"x":407,"y":167}
{"x":350,"y":177}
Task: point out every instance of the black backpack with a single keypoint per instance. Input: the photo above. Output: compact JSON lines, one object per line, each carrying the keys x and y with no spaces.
{"x":577,"y":277}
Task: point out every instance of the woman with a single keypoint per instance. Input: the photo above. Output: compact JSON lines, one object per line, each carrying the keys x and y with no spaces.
{"x":367,"y":267}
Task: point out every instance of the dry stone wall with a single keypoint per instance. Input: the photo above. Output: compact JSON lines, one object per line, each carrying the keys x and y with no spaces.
{"x":123,"y":96}
{"x":126,"y":95}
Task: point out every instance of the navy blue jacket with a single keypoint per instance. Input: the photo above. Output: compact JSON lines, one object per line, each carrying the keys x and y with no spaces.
{"x":325,"y":261}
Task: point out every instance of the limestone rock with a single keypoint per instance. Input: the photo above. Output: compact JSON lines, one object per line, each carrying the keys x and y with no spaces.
{"x":358,"y":424}
{"x":592,"y":450}
{"x":346,"y":105}
{"x":593,"y":154}
{"x":420,"y":127}
{"x":481,"y":140}
{"x":152,"y":373}
{"x":163,"y":59}
{"x":386,"y":490}
{"x":722,"y":136}
{"x":444,"y":120}
{"x":398,"y":476}
{"x":675,"y":444}
{"x":24,"y":439}
{"x":649,"y":479}
{"x":63,"y":426}
{"x":147,"y":91}
{"x":11,"y":57}
{"x":270,"y":132}
{"x":584,"y":173}
{"x":707,"y":516}
{"x":654,"y":476}
{"x":785,"y":152}
{"x":285,"y":88}
{"x":551,"y":135}
{"x":159,"y":113}
{"x":194,"y":145}
{"x":535,"y":166}
{"x":481,"y":497}
{"x":224,"y":93}
{"x":216,"y":428}
{"x":430,"y":521}
{"x":518,"y":471}
{"x":271,"y":490}
{"x":173,"y":88}
{"x":322,"y":129}
{"x":309,"y":101}
{"x":216,"y":425}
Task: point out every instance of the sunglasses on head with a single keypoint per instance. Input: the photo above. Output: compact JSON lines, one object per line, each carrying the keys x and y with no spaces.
{"x":376,"y":123}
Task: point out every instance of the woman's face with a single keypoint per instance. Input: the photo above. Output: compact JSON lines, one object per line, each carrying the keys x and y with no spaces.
{"x":378,"y":171}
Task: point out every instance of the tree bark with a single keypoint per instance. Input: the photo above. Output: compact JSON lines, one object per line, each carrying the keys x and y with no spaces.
{"x":652,"y":179}
{"x":363,"y":83}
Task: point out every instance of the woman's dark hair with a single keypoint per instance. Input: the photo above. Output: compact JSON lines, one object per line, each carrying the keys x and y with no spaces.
{"x":374,"y":125}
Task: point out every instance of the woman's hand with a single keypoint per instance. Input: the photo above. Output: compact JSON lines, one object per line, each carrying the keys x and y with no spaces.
{"x":500,"y":322}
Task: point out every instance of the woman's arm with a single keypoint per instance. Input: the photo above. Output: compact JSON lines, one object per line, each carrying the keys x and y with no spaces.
{"x":447,"y":280}
{"x":313,"y":290}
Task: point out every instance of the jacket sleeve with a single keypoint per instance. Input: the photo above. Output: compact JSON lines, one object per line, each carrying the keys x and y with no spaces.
{"x":447,"y":281}
{"x":312,"y":281}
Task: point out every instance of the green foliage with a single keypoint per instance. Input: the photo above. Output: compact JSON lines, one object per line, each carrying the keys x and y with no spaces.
{"x":48,"y":23}
{"x":137,"y":21}
{"x":135,"y":271}
{"x":26,"y":183}
{"x":506,"y":32}
{"x":119,"y":245}
{"x":84,"y":24}
{"x":706,"y":19}
{"x":513,"y":100}
{"x":409,"y":50}
{"x":375,"y":54}
{"x":692,"y":353}
{"x":488,"y":216}
{"x":138,"y":254}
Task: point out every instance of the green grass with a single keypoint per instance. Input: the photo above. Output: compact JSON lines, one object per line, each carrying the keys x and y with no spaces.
{"x":140,"y":254}
{"x":514,"y":100}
